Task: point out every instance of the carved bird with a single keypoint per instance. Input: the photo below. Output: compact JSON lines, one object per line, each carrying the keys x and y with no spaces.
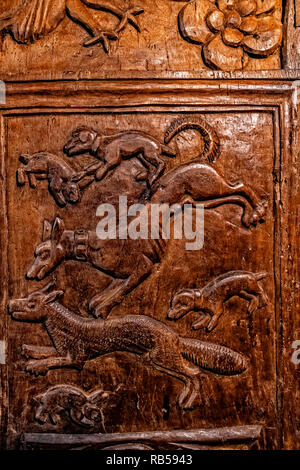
{"x":29,"y":20}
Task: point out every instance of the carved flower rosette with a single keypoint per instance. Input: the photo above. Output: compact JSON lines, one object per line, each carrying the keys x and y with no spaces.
{"x":231,"y":31}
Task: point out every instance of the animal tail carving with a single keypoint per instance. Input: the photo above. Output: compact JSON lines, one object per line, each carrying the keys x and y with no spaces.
{"x":263,"y":299}
{"x":211,"y":140}
{"x":213,"y":357}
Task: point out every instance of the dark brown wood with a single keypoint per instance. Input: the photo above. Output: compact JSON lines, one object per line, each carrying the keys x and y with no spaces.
{"x":241,"y":437}
{"x":143,"y":343}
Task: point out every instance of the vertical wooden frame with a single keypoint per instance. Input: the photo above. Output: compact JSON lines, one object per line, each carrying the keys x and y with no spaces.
{"x":276,"y":98}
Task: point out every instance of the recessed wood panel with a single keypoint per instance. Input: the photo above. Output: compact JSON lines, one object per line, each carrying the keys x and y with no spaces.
{"x":231,"y":156}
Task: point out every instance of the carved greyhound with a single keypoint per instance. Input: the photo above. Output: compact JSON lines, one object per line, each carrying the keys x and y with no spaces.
{"x":76,"y":340}
{"x":211,"y":298}
{"x":187,"y":183}
{"x":64,"y":183}
{"x":197,"y":182}
{"x":111,"y":149}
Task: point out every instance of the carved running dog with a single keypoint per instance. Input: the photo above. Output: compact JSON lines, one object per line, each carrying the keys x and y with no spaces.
{"x":111,"y":149}
{"x":129,"y":262}
{"x":190,"y":183}
{"x":211,"y":298}
{"x":77,"y":340}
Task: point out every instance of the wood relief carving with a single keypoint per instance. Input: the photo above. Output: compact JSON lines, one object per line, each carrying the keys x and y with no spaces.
{"x":211,"y":298}
{"x":231,"y":30}
{"x":77,"y":340}
{"x":111,"y":149}
{"x":67,"y":403}
{"x":297,"y":13}
{"x":29,"y":20}
{"x":64,"y":183}
{"x":139,"y":343}
{"x":191,"y":182}
{"x":235,"y":437}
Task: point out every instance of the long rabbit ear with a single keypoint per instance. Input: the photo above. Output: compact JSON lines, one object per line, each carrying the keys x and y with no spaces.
{"x":47,"y":228}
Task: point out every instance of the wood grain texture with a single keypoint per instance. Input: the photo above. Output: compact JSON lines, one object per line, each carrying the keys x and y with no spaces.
{"x":155,"y":49}
{"x":253,"y":150}
{"x":144,"y":344}
{"x":241,"y":437}
{"x":297,"y":13}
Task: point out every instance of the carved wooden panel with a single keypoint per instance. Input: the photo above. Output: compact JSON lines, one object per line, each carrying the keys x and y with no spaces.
{"x":139,"y":339}
{"x":118,"y":39}
{"x":297,"y":13}
{"x":151,"y":337}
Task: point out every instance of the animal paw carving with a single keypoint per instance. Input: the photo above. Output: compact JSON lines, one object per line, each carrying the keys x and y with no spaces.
{"x":129,"y":17}
{"x":102,"y":37}
{"x":36,"y":368}
{"x":100,"y":310}
{"x":259,"y":212}
{"x":257,"y":215}
{"x":26,"y":351}
{"x":201,"y":322}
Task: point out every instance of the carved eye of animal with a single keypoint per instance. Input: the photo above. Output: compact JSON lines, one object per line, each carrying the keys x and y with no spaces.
{"x":31,"y":304}
{"x":45,"y":255}
{"x":84,"y":136}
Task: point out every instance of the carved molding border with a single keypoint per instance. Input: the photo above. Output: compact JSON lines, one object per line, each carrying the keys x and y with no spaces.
{"x":244,"y":437}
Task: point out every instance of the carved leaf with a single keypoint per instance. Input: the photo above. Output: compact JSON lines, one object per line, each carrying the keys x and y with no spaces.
{"x":36,"y":19}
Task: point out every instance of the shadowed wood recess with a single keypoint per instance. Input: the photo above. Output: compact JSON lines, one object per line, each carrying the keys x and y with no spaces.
{"x":150,"y":206}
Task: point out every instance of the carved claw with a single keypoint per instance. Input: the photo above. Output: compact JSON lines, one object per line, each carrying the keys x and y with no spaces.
{"x":129,"y":17}
{"x":103,"y":37}
{"x":26,"y":351}
{"x":36,"y":369}
{"x":253,"y":305}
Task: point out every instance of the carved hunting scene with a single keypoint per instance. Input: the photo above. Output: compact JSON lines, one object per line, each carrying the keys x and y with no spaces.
{"x":149,"y":187}
{"x":79,"y":337}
